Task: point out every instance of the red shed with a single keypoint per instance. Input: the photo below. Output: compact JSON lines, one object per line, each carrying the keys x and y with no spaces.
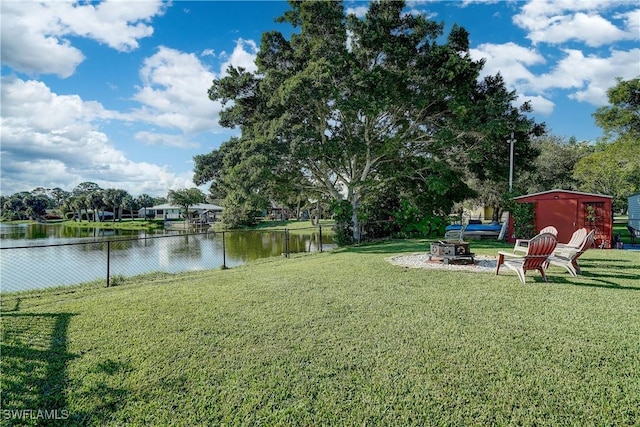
{"x":570,"y":210}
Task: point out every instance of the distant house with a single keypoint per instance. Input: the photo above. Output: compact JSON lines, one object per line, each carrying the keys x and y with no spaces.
{"x":277,"y":212}
{"x":203,"y":211}
{"x":634,"y":211}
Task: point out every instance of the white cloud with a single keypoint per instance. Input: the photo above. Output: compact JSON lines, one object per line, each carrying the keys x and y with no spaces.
{"x":243,"y":55}
{"x":30,"y":41}
{"x":174,"y":92}
{"x":594,"y":30}
{"x":559,"y":21}
{"x":589,"y":76}
{"x":632,"y":21}
{"x":35,"y":35}
{"x":512,"y":62}
{"x":163,"y":139}
{"x":116,"y":24}
{"x":359,"y":11}
{"x":51,"y":140}
{"x":540,"y":104}
{"x":585,"y":77}
{"x":509,"y":59}
{"x":468,"y":2}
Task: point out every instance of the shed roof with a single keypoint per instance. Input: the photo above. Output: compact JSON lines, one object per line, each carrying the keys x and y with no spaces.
{"x":577,"y":193}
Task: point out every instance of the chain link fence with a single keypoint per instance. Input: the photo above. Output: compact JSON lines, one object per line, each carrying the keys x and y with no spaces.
{"x":43,"y":266}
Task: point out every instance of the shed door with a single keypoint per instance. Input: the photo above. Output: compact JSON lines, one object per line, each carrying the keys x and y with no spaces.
{"x":561,"y":213}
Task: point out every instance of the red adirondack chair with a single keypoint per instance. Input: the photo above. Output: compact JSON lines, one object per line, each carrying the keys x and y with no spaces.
{"x":539,"y":249}
{"x":521,"y":244}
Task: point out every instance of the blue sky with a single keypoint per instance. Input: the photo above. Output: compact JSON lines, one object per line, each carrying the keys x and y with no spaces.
{"x":116,"y":92}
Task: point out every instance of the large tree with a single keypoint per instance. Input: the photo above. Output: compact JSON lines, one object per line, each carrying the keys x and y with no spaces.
{"x":614,"y":166}
{"x":621,"y":118}
{"x":58,"y":195}
{"x":186,"y":198}
{"x":553,"y":168}
{"x":347,"y":103}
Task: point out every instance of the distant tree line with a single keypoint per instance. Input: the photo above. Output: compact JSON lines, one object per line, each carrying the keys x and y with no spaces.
{"x":86,"y":201}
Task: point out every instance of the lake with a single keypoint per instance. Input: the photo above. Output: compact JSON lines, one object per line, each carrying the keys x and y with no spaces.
{"x":35,"y":256}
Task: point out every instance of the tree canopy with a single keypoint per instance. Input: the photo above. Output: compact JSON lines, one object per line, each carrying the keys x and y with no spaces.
{"x":186,"y":198}
{"x":621,"y":118}
{"x":346,"y":105}
{"x":614,"y":166}
{"x":554,"y":166}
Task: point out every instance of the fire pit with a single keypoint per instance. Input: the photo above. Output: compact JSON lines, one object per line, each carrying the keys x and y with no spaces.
{"x":451,"y":251}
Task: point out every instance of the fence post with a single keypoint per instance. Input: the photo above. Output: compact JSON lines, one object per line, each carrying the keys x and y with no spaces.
{"x":108,"y":261}
{"x":286,"y":242}
{"x":320,"y":236}
{"x":224,"y":253}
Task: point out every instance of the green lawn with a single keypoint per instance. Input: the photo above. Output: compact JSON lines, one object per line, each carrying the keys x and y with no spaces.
{"x":334,"y":338}
{"x":303,"y":226}
{"x":125,"y":223}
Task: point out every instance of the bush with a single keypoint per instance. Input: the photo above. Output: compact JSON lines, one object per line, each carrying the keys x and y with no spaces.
{"x":413,"y":222}
{"x":343,"y":226}
{"x":524,"y":225}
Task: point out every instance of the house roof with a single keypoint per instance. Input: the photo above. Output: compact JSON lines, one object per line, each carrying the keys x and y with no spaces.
{"x":562,"y":191}
{"x":196,"y":207}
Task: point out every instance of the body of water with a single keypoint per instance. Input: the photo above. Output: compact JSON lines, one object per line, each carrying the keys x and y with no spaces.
{"x":35,"y":256}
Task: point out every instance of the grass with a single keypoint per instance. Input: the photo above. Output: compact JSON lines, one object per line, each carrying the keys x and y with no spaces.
{"x":125,"y":224}
{"x":294,"y":226}
{"x":337,"y":338}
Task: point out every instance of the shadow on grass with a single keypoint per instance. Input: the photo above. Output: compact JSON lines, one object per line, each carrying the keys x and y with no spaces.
{"x":417,"y":245}
{"x":34,"y":361}
{"x":602,"y":281}
{"x":35,"y":382}
{"x":595,"y":280}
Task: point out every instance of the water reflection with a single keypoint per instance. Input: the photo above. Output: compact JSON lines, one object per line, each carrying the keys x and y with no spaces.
{"x":39,"y":234}
{"x":29,"y":261}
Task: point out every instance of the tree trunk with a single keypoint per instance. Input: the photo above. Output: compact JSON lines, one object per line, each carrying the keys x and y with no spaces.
{"x":354,"y":219}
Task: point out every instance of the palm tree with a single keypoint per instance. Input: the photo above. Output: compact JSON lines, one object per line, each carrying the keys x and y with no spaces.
{"x":130,"y":204}
{"x":59,"y":196}
{"x":74,"y":204}
{"x":114,"y":197}
{"x":94,"y":200}
{"x":145,"y":201}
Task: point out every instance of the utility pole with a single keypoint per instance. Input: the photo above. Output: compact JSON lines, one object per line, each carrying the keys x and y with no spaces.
{"x":505,"y":224}
{"x":511,"y":141}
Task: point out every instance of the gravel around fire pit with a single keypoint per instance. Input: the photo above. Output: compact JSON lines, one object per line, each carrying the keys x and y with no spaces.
{"x":483,"y":264}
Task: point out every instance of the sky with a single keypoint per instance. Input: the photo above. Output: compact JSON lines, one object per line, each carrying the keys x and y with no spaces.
{"x":115,"y":92}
